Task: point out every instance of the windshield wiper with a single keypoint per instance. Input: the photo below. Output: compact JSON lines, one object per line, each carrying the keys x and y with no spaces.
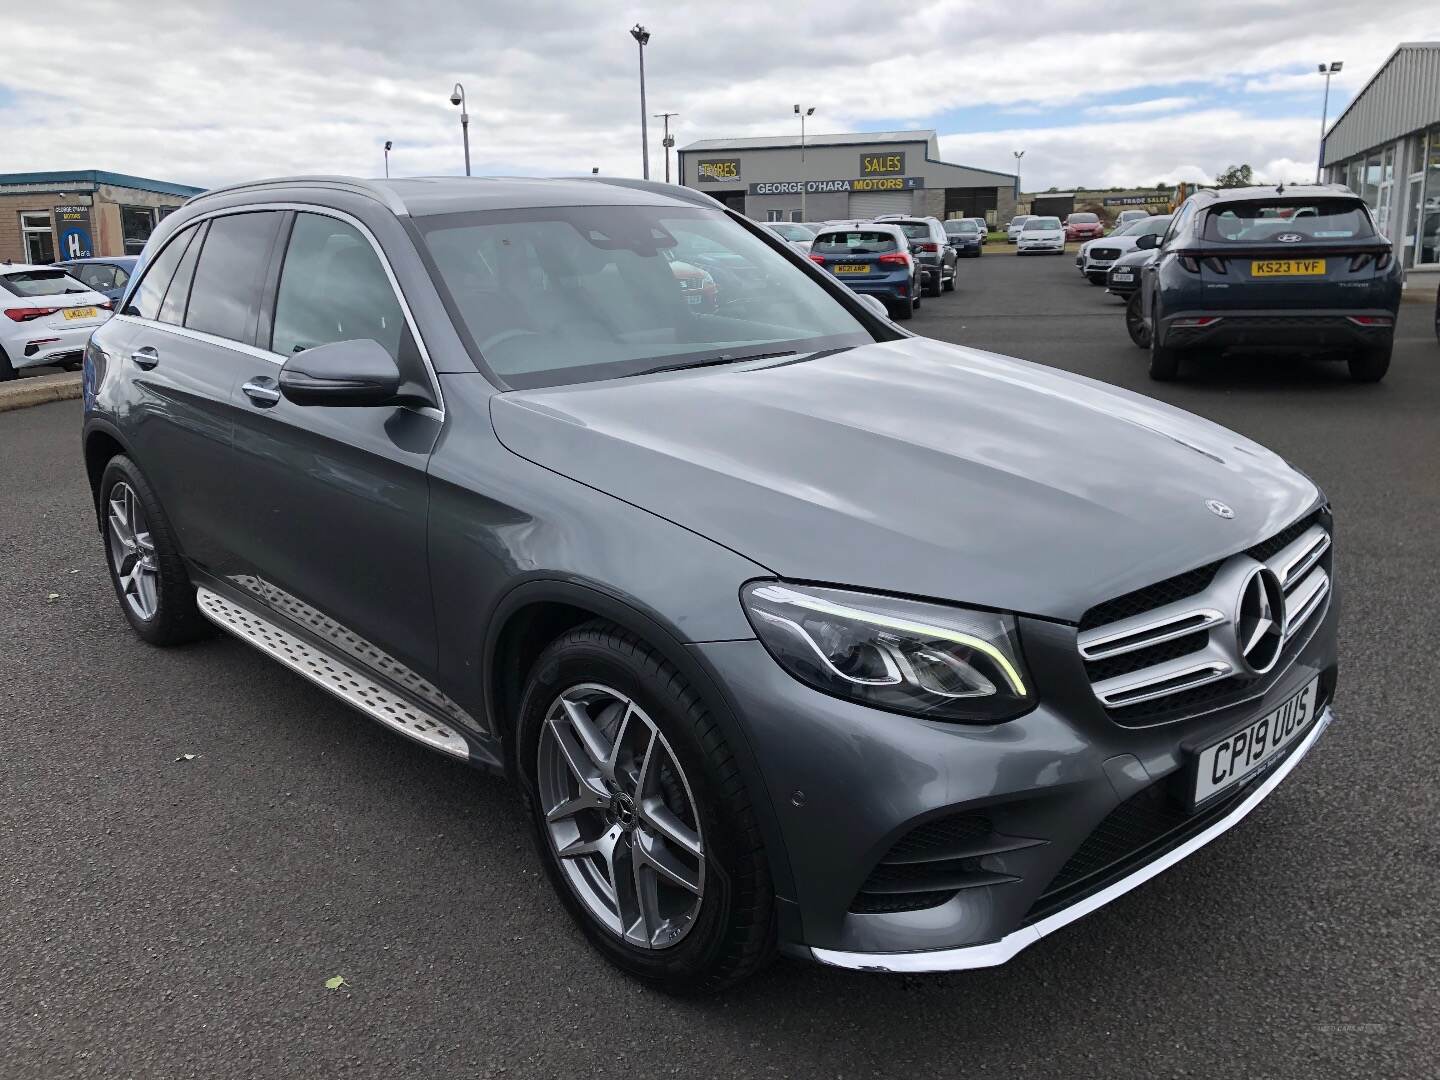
{"x":714,"y":361}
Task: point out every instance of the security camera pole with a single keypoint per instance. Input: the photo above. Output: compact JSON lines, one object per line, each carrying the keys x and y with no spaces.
{"x":803,"y":114}
{"x":388,"y":144}
{"x":642,"y":37}
{"x":668,"y":141}
{"x":457,"y":97}
{"x":1333,"y":69}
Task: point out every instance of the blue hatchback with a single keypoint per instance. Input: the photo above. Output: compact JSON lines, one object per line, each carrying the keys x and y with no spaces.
{"x":872,"y":259}
{"x":105,"y":274}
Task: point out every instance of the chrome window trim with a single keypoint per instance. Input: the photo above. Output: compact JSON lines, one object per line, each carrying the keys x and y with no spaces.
{"x":438,"y":411}
{"x":994,"y":953}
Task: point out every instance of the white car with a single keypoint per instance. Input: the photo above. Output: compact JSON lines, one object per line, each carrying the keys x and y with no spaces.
{"x":1042,"y":235}
{"x":1098,"y":255}
{"x":1017,"y":223}
{"x":46,"y":317}
{"x":793,"y":233}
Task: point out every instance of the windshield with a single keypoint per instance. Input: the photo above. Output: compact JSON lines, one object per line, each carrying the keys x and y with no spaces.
{"x":553,"y":295}
{"x":1083,"y":219}
{"x":1264,"y":223}
{"x":1156,"y":225}
{"x":41,"y":283}
{"x":968,"y":228}
{"x":1037,"y":223}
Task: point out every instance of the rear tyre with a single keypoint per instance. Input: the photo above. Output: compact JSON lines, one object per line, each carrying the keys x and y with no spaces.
{"x":639,"y":814}
{"x":155,"y":593}
{"x":936,"y":287}
{"x":901,"y":310}
{"x":1370,"y":365}
{"x":1135,"y":323}
{"x":6,"y":371}
{"x":1164,"y":363}
{"x":949,"y":286}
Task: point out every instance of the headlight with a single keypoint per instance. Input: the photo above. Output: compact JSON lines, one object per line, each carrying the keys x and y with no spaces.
{"x":928,"y":660}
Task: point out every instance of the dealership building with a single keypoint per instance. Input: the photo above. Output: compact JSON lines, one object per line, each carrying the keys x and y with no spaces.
{"x":1386,"y":148}
{"x":844,"y":176}
{"x":71,"y":215}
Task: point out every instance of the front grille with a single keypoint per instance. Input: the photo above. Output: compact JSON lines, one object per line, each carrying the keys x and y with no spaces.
{"x":1104,"y":254}
{"x":932,"y":862}
{"x":1170,"y":650}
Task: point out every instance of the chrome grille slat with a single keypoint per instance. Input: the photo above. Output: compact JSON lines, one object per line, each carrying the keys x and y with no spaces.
{"x":1182,"y":645}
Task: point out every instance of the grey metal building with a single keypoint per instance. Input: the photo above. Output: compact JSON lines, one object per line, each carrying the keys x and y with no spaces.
{"x":838,"y":176}
{"x":1386,"y":147}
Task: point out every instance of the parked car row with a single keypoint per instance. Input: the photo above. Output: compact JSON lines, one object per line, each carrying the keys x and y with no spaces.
{"x":1282,"y":270}
{"x":897,"y":259}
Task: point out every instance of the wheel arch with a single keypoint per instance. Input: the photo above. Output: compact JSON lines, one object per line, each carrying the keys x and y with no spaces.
{"x":101,"y":443}
{"x":536,"y":612}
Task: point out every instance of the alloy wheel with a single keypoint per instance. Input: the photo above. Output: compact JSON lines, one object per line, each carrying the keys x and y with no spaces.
{"x":621,"y":817}
{"x":132,"y":552}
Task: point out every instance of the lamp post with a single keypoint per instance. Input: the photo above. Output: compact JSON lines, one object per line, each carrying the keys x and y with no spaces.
{"x":668,"y":141}
{"x":803,"y":113}
{"x":1332,"y":69}
{"x":1017,"y":155}
{"x":388,"y":144}
{"x":642,"y":38}
{"x":457,"y":97}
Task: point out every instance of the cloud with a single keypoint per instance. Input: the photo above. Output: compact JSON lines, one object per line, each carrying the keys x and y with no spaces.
{"x":1142,"y":108}
{"x":220,"y":90}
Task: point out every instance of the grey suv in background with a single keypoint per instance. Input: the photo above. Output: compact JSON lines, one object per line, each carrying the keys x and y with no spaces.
{"x":931,"y":246}
{"x":796,"y":632}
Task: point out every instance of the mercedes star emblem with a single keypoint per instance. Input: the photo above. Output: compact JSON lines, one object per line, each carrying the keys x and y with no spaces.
{"x":1219,"y":509}
{"x":1260,"y":624}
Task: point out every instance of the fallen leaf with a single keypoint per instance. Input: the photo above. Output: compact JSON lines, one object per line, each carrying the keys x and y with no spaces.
{"x":50,"y":598}
{"x":186,"y":757}
{"x":335,"y":983}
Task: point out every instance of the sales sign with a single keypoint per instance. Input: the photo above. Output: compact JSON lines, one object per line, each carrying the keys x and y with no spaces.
{"x":718,"y":170}
{"x":882,"y":164}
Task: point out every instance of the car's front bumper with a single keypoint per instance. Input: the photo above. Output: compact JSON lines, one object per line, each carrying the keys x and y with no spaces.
{"x":847,"y":784}
{"x":1048,"y":246}
{"x":1289,"y":330}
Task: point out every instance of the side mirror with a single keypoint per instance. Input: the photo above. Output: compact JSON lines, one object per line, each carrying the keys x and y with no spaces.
{"x":1147,"y":241}
{"x":352,"y":373}
{"x":874,"y":303}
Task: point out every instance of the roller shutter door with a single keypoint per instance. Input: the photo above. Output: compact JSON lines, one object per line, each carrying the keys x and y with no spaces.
{"x":866,"y":204}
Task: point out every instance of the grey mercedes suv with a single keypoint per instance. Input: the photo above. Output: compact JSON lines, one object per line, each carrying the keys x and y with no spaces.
{"x":797,"y":633}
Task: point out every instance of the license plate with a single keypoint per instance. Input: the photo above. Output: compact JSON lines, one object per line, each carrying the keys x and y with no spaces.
{"x":1124,"y":277}
{"x":79,"y":313}
{"x":693,"y":299}
{"x":851,"y":268}
{"x":1287,"y":267}
{"x":1236,"y":756}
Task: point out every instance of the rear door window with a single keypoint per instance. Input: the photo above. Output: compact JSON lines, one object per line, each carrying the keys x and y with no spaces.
{"x":854,"y":242}
{"x":97,"y":275}
{"x":333,"y":287}
{"x":225,"y":296}
{"x":1266,"y":222}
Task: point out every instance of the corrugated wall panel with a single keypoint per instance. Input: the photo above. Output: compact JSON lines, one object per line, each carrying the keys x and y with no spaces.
{"x":1403,"y":96}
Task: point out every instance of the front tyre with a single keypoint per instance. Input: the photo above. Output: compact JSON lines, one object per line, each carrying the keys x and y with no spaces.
{"x":1164,"y":363}
{"x":1135,"y":323}
{"x":1371,"y":364}
{"x":154,"y":590}
{"x":639,"y":814}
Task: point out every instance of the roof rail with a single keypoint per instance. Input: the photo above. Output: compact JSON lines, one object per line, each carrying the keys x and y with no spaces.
{"x":378,"y":192}
{"x":658,"y":187}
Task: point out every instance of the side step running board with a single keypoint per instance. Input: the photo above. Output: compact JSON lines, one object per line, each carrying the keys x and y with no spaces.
{"x":345,"y":682}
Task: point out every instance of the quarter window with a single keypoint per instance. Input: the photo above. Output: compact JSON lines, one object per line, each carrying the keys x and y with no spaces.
{"x":225,"y":297}
{"x":145,"y":301}
{"x":173,"y":309}
{"x":333,"y":287}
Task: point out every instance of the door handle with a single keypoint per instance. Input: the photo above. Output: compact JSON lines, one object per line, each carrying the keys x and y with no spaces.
{"x":145,"y":357}
{"x":262,"y":390}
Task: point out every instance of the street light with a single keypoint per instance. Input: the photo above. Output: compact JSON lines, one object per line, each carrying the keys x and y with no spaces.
{"x":1017,"y":155}
{"x":642,"y":38}
{"x":668,"y":141}
{"x":457,"y":97}
{"x":388,"y":144}
{"x":803,"y":114}
{"x":1332,"y":69}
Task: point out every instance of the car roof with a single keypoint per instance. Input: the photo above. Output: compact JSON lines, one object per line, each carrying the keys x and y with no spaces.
{"x":426,"y":195}
{"x":129,"y":260}
{"x":1218,"y":196}
{"x":10,"y":268}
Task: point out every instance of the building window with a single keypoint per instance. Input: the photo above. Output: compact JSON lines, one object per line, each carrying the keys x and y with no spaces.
{"x":136,"y":224}
{"x":38,"y":237}
{"x":1428,"y":250}
{"x":774,"y":215}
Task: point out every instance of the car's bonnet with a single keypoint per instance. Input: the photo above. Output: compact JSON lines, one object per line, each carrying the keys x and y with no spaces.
{"x":919,"y":468}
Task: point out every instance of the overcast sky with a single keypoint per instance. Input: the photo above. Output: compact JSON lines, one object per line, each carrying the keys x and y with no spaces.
{"x":1095,"y":93}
